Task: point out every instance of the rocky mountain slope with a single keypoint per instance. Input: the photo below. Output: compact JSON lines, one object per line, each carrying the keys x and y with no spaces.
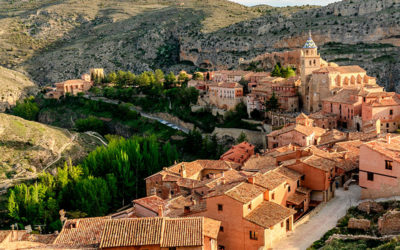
{"x":27,"y":147}
{"x":54,"y":40}
{"x":14,"y":86}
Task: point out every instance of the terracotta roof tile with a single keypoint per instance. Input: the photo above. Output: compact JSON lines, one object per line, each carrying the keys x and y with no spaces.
{"x":259,"y":162}
{"x":238,"y":153}
{"x":132,"y":232}
{"x":211,"y":228}
{"x":151,"y":202}
{"x":245,"y":192}
{"x":348,"y":96}
{"x":82,"y":232}
{"x":4,"y":234}
{"x":165,"y":232}
{"x":341,"y":69}
{"x":297,"y":198}
{"x":391,"y":150}
{"x":182,"y":232}
{"x":268,"y":214}
{"x":270,"y":180}
{"x":299,"y":128}
{"x":319,"y":162}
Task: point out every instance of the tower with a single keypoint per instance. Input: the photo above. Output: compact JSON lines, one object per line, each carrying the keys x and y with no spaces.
{"x":310,"y":60}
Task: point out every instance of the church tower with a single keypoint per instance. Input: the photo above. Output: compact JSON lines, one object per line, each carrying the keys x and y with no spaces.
{"x":310,"y":60}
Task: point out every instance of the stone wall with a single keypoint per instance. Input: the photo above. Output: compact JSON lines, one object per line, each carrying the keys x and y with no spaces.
{"x":368,"y":206}
{"x":359,"y":237}
{"x":390,"y":223}
{"x":362,"y":224}
{"x":254,"y":137}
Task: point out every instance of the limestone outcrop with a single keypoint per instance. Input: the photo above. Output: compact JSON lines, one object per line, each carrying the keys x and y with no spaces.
{"x":14,"y":86}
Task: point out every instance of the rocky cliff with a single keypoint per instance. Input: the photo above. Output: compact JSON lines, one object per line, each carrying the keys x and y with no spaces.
{"x":54,"y":40}
{"x":14,"y":86}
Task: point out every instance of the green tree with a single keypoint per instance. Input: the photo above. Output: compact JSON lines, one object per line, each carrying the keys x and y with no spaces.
{"x":277,"y":71}
{"x":242,"y":137}
{"x":112,"y":77}
{"x":198,"y":76}
{"x":27,"y":109}
{"x":170,"y":79}
{"x":183,"y":77}
{"x":159,"y":78}
{"x":288,"y":72}
{"x":90,"y":124}
{"x":272,"y":104}
{"x":12,"y":206}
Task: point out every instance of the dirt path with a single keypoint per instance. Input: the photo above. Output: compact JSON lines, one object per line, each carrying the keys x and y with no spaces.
{"x":94,"y":134}
{"x":304,"y":235}
{"x":60,"y":152}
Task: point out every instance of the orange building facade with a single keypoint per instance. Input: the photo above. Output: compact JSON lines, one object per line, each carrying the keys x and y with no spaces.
{"x":380,"y":168}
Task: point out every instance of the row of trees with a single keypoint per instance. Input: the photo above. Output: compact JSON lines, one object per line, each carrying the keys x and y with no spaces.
{"x":148,"y":79}
{"x":108,"y":178}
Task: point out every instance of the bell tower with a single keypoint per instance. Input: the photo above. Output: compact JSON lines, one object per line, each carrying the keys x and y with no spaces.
{"x":310,"y":60}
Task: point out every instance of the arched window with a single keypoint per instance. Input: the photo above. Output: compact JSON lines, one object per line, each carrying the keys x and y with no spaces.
{"x":314,"y":62}
{"x":310,"y":62}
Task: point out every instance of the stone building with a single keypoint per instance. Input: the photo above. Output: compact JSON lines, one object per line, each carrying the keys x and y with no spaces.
{"x":321,"y":80}
{"x":285,"y":90}
{"x":225,"y":95}
{"x":386,"y":108}
{"x":72,"y":87}
{"x":303,"y":133}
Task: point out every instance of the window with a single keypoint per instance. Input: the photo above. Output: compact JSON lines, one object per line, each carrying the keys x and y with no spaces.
{"x":220,"y":247}
{"x":370,"y":176}
{"x":303,"y":177}
{"x":221,"y":228}
{"x":220,"y":207}
{"x":249,"y":207}
{"x":391,"y":112}
{"x":298,"y":183}
{"x":388,"y":165}
{"x":253,"y":235}
{"x":273,"y":196}
{"x":288,"y":188}
{"x":171,"y":248}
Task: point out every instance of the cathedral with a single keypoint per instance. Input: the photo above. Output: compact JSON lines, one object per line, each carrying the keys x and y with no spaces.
{"x":320,"y":79}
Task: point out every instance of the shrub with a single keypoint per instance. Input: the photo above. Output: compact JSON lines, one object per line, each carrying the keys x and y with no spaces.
{"x":28,"y":109}
{"x":90,"y":124}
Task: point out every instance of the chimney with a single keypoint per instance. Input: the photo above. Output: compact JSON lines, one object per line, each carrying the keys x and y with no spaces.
{"x":183,"y":171}
{"x":388,"y":138}
{"x":223,"y":181}
{"x":298,"y":155}
{"x":251,"y":180}
{"x":160,"y":211}
{"x":186,"y":210}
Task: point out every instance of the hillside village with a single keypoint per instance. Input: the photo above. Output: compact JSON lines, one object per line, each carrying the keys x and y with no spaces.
{"x":326,"y":129}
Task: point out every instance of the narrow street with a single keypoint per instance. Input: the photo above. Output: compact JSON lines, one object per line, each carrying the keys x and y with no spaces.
{"x":304,"y":235}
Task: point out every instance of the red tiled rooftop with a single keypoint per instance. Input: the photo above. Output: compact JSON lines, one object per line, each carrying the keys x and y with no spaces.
{"x":151,"y":202}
